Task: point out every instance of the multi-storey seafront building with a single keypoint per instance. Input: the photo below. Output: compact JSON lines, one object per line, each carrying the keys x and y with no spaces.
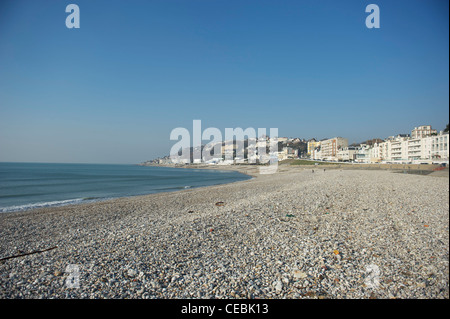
{"x":435,"y":147}
{"x":312,"y":145}
{"x":362,"y":154}
{"x":347,"y":154}
{"x":423,"y":145}
{"x":423,"y":131}
{"x":329,"y":148}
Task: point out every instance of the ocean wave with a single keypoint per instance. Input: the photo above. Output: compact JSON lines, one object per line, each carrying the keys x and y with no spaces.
{"x":43,"y":204}
{"x":171,"y":188}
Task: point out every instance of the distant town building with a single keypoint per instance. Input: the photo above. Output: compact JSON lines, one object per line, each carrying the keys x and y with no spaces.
{"x":423,"y":145}
{"x":330,"y":148}
{"x":423,"y":131}
{"x":312,"y":144}
{"x":362,"y":154}
{"x":347,"y":154}
{"x":436,"y":147}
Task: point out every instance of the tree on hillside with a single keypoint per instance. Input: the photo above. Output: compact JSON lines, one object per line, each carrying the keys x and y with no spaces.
{"x":446,"y":128}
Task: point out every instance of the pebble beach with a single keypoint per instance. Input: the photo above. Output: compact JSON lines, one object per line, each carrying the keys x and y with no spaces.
{"x":334,"y":234}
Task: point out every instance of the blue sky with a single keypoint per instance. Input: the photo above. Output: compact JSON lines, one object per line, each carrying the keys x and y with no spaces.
{"x":113,"y":90}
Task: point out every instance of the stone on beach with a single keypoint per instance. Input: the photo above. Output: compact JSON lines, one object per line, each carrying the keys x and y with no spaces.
{"x":293,"y":234}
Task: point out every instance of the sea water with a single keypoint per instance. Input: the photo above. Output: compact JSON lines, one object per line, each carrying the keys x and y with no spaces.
{"x":32,"y":185}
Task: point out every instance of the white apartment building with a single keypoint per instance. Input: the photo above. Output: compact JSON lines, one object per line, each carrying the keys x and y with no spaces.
{"x":405,"y":149}
{"x":414,"y":150}
{"x":399,"y":150}
{"x":362,"y":154}
{"x":347,"y":154}
{"x":375,"y":153}
{"x":316,"y":154}
{"x":424,"y":145}
{"x":435,"y":148}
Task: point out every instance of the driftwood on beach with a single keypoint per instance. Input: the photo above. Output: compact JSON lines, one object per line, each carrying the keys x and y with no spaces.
{"x":26,"y":254}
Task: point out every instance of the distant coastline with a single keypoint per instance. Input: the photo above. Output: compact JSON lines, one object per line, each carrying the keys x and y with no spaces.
{"x":253,"y":170}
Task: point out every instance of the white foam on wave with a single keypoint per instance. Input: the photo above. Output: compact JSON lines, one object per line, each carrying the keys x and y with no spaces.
{"x":40,"y":205}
